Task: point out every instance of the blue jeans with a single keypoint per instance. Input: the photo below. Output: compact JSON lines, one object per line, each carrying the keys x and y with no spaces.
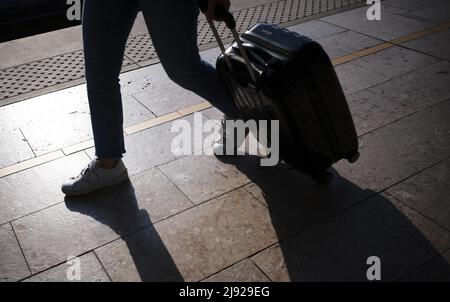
{"x":172,"y":25}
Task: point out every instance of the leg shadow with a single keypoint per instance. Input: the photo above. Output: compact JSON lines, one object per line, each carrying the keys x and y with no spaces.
{"x":118,"y":208}
{"x":338,"y":227}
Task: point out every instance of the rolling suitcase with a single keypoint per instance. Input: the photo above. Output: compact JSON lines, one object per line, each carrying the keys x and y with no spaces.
{"x":276,"y":74}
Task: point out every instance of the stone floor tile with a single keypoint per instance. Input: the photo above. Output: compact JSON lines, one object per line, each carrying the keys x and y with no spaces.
{"x":428,"y":193}
{"x":300,"y":202}
{"x":243,"y":271}
{"x":394,"y":61}
{"x":151,"y":147}
{"x":91,"y":270}
{"x":134,"y":112}
{"x":135,"y":81}
{"x":61,"y":119}
{"x":420,"y":89}
{"x":36,"y":188}
{"x":142,"y":256}
{"x":437,"y":270}
{"x":196,"y":243}
{"x":54,"y":120}
{"x":149,"y":198}
{"x":316,"y":29}
{"x":12,"y":263}
{"x":338,"y":249}
{"x":204,"y":177}
{"x":435,"y":13}
{"x":153,"y":88}
{"x":371,"y":111}
{"x":84,"y":223}
{"x":15,"y":149}
{"x":354,"y":78}
{"x":401,"y":149}
{"x":412,"y":4}
{"x":213,"y":114}
{"x":275,"y":264}
{"x":345,"y":43}
{"x":51,"y":236}
{"x":392,"y":9}
{"x":436,"y":44}
{"x":389,"y":27}
{"x":164,"y":96}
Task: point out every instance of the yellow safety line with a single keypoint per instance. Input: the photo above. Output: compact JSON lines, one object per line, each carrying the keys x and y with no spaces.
{"x":30,"y":163}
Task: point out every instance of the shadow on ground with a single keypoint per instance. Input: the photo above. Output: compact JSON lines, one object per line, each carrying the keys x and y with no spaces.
{"x":337,"y":228}
{"x":118,"y":208}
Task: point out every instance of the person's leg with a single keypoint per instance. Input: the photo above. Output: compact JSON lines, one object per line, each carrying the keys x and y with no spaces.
{"x":173,"y":28}
{"x":106,"y":26}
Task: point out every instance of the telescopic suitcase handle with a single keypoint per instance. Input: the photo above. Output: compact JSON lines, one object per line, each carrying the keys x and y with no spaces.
{"x":225,"y":15}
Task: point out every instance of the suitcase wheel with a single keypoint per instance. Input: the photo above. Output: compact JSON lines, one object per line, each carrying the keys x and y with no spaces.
{"x":352,"y":157}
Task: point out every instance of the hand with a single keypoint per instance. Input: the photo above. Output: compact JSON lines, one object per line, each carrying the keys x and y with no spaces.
{"x":212,"y":6}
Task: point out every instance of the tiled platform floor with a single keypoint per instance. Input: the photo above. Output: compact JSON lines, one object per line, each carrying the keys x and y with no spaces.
{"x":198,"y":218}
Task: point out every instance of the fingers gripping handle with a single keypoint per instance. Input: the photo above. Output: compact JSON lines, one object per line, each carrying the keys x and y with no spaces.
{"x":220,"y":12}
{"x":223,"y":14}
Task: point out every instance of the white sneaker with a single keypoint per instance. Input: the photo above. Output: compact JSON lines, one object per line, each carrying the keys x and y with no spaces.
{"x":95,"y":177}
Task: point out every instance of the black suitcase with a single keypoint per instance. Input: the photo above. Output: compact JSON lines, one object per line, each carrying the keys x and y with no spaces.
{"x":276,"y":74}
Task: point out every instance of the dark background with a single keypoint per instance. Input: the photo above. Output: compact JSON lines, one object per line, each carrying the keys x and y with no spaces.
{"x":22,"y":18}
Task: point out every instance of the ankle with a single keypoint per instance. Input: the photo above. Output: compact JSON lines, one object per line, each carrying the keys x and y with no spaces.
{"x":108,"y":163}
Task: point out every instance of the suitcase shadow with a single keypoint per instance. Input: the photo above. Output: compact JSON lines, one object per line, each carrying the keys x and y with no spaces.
{"x":336,"y":228}
{"x":139,"y":246}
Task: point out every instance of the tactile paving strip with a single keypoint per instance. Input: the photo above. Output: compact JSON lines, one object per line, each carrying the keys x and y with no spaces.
{"x":24,"y":79}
